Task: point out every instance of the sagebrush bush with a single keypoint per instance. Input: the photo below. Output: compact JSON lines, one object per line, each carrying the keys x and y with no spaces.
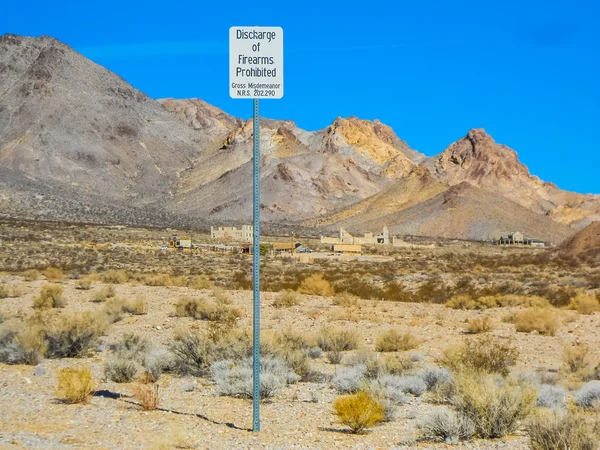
{"x":544,"y":321}
{"x":589,"y":394}
{"x":75,"y":385}
{"x":569,"y":430}
{"x":235,"y":379}
{"x":398,"y":364}
{"x":349,"y":379}
{"x":551,"y":397}
{"x":483,"y":324}
{"x":444,"y":425}
{"x":406,"y":384}
{"x":486,"y":354}
{"x":137,"y":306}
{"x":359,"y":411}
{"x":115,"y":277}
{"x":163,"y":280}
{"x":495,"y":407}
{"x":32,"y":275}
{"x":121,"y":369}
{"x":84,"y":283}
{"x":316,"y":285}
{"x":73,"y":335}
{"x":435,"y":377}
{"x":394,"y":341}
{"x":585,"y":303}
{"x":202,"y":309}
{"x":315,"y":352}
{"x":466,"y":302}
{"x":146,"y":395}
{"x":336,"y":339}
{"x":102,"y":294}
{"x":25,"y":346}
{"x":286,"y":299}
{"x":54,"y":274}
{"x":50,"y":296}
{"x":575,"y":357}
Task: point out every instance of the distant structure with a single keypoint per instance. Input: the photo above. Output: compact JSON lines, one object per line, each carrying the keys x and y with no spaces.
{"x":344,"y":249}
{"x":368,"y":239}
{"x":517,"y":238}
{"x":244,"y":234}
{"x":180,"y":242}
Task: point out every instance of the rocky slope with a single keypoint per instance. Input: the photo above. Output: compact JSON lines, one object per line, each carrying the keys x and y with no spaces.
{"x":585,"y":244}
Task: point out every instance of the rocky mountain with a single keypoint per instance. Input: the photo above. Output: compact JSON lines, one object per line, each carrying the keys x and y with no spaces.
{"x":480,"y":161}
{"x":78,"y":143}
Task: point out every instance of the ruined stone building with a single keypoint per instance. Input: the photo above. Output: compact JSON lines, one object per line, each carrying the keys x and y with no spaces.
{"x":382,"y":238}
{"x":244,"y":234}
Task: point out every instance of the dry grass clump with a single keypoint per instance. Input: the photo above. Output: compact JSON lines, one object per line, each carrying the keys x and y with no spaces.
{"x":286,"y":299}
{"x":221,"y":296}
{"x":575,"y":357}
{"x":75,"y":385}
{"x":115,"y":277}
{"x":345,"y":299}
{"x":335,"y":339}
{"x":481,"y":324}
{"x":84,"y":283}
{"x":316,"y":285}
{"x":51,"y":296}
{"x":398,"y":364}
{"x":544,"y":321}
{"x":552,"y":430}
{"x":359,"y":411}
{"x":585,"y":304}
{"x":394,"y":341}
{"x":53,"y":274}
{"x":102,"y":294}
{"x":201,"y":282}
{"x":32,"y":275}
{"x":146,"y":395}
{"x":486,"y":354}
{"x":468,"y":302}
{"x":494,"y":407}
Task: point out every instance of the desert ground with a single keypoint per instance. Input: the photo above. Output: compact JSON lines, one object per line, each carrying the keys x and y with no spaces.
{"x":411,"y":330}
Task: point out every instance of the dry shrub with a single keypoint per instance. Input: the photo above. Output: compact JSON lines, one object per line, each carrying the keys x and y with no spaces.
{"x":495,"y":407}
{"x":316,"y":285}
{"x":75,"y":385}
{"x":486,"y":354}
{"x":576,"y":357}
{"x":286,"y":299}
{"x":3,"y":292}
{"x":73,"y":335}
{"x":32,"y":275}
{"x":51,"y":296}
{"x":137,"y":306}
{"x":201,"y":282}
{"x":553,"y":430}
{"x":114,"y":309}
{"x":544,"y":321}
{"x":163,"y":280}
{"x":24,"y":346}
{"x":358,"y":411}
{"x":345,"y":299}
{"x":102,"y":294}
{"x":466,"y":302}
{"x":348,"y":315}
{"x":221,"y":296}
{"x":54,"y":274}
{"x":482,"y":324}
{"x":201,"y":309}
{"x":84,"y":283}
{"x":585,"y":304}
{"x":334,"y":339}
{"x":146,"y":395}
{"x":398,"y":364}
{"x":115,"y":277}
{"x":11,"y":291}
{"x":394,"y":341}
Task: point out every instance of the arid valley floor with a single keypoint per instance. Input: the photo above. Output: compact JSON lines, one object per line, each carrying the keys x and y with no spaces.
{"x":528,"y":317}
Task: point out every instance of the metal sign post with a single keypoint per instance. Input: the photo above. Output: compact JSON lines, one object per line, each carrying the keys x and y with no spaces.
{"x":256,"y":71}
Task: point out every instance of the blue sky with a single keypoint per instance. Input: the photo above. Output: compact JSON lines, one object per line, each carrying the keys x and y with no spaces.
{"x":526,"y":71}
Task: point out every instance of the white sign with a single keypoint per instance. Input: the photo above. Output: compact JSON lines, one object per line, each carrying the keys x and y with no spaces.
{"x":256,"y":62}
